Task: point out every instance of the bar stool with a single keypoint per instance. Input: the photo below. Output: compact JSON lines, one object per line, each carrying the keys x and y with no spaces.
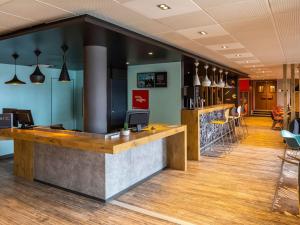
{"x":243,"y":113}
{"x":236,"y":117}
{"x":233,"y":116}
{"x":225,"y":129}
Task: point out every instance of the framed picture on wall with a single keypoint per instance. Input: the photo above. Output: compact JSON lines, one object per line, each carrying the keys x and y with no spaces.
{"x":145,"y":80}
{"x":161,"y":79}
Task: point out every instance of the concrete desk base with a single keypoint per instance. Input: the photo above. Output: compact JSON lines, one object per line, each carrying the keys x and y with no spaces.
{"x":98,"y":175}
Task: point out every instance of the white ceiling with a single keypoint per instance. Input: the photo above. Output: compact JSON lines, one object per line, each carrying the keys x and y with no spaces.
{"x":259,"y":35}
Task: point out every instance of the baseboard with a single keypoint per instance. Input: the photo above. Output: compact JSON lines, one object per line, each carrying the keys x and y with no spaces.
{"x":8,"y":156}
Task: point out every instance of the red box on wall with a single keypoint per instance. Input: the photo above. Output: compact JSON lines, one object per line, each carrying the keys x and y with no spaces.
{"x":140,"y":99}
{"x":244,"y":85}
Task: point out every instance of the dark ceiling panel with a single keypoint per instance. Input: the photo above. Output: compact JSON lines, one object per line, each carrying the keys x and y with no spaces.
{"x":123,"y":45}
{"x":49,"y":42}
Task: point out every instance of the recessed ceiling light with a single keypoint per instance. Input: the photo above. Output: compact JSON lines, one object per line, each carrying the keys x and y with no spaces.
{"x":247,"y":61}
{"x":202,"y":32}
{"x":127,"y":63}
{"x":224,"y":46}
{"x":150,"y":53}
{"x":163,"y":6}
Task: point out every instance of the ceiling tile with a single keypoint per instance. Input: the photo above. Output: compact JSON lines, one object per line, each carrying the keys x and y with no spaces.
{"x":259,"y":37}
{"x":214,"y":3}
{"x":215,"y":40}
{"x":37,"y":11}
{"x":287,"y":25}
{"x":249,"y":61}
{"x":225,"y":46}
{"x":253,"y":24}
{"x":233,"y":51}
{"x":117,"y":15}
{"x":82,"y":6}
{"x":279,"y":6}
{"x":188,"y":20}
{"x":122,"y":1}
{"x":240,"y":10}
{"x":211,"y":30}
{"x":239,"y":55}
{"x":151,"y":10}
{"x":255,"y":65}
{"x":4,"y":1}
{"x":173,"y":37}
{"x":152,"y":27}
{"x":108,"y":10}
{"x":12,"y":22}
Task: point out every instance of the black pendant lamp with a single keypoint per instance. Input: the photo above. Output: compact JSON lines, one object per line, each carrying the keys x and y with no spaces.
{"x":64,"y":74}
{"x":15,"y":80}
{"x":37,"y":77}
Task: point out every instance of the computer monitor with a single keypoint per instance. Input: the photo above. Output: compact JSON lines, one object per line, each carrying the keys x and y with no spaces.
{"x":14,"y":112}
{"x":137,"y":119}
{"x":24,"y":118}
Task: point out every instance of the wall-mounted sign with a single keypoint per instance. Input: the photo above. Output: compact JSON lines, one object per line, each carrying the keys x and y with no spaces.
{"x":244,"y":85}
{"x":152,"y":79}
{"x":6,"y":120}
{"x":140,"y":99}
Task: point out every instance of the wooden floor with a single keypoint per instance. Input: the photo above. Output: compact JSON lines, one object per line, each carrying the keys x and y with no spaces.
{"x":236,"y":189}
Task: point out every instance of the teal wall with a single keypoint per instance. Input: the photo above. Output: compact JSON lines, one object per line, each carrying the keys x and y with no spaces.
{"x":165,"y":103}
{"x":66,"y":98}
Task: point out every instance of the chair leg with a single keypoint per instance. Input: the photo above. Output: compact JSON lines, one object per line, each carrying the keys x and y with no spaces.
{"x":284,"y":155}
{"x":239,"y":132}
{"x":232,"y":130}
{"x":241,"y":126}
{"x":273,"y":124}
{"x":299,"y":187}
{"x":246,"y":126}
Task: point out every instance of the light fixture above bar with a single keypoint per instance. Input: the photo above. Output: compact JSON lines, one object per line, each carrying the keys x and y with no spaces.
{"x":15,"y":80}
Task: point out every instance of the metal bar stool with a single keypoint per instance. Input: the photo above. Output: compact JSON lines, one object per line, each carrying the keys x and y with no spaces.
{"x":243,"y":113}
{"x":225,"y":130}
{"x":236,"y":116}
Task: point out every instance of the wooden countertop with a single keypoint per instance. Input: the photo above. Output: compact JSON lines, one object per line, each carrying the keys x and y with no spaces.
{"x":209,"y":109}
{"x":93,"y":142}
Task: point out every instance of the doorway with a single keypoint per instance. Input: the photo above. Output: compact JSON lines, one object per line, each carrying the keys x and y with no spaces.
{"x":265,"y":94}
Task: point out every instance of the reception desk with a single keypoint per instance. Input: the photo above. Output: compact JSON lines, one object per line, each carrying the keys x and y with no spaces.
{"x":198,"y":127}
{"x":92,"y":165}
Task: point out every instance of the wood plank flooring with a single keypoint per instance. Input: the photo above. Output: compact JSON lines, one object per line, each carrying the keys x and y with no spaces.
{"x":235,"y":189}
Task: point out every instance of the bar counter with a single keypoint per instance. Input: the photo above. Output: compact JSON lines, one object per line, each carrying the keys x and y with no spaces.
{"x":198,"y":127}
{"x":91,"y":165}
